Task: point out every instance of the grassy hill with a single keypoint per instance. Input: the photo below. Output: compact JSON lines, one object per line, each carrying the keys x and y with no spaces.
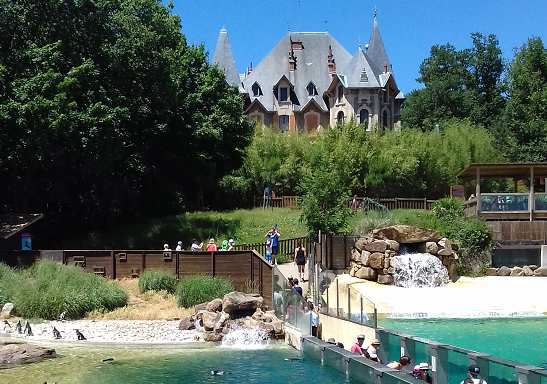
{"x":243,"y":225}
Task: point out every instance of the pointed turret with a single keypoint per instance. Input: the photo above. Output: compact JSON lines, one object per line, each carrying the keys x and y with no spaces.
{"x":224,"y":58}
{"x":376,"y":50}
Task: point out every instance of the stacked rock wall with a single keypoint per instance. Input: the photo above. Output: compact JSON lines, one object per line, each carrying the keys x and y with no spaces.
{"x":371,"y":257}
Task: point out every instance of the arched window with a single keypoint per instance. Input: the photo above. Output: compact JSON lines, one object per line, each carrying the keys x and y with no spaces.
{"x":257,"y":91}
{"x":312,"y":91}
{"x":385,"y":123}
{"x":340,"y":118}
{"x":340,"y":93}
{"x":363,"y":118}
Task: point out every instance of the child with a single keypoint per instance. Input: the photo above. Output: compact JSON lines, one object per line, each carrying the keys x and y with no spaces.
{"x":269,"y":251}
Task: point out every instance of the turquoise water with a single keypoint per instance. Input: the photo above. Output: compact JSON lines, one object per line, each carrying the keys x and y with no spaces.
{"x":133,"y":366}
{"x":522,"y":340}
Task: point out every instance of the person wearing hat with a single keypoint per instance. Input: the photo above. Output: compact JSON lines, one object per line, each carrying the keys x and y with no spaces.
{"x":331,"y":341}
{"x":473,"y":375}
{"x":195,"y":247}
{"x":357,"y":347}
{"x":211,"y":245}
{"x":372,"y":350}
{"x":231,"y":245}
{"x":421,"y":372}
{"x":179,"y":246}
{"x":166,"y":247}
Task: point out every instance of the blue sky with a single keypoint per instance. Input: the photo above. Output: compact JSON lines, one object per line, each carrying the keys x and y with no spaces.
{"x":409,"y":27}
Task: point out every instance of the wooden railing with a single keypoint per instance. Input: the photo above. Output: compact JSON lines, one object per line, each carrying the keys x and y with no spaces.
{"x":286,"y":246}
{"x":399,"y":202}
{"x":279,"y":202}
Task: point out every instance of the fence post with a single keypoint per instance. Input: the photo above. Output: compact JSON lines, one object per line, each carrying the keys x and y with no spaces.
{"x":337,"y":297}
{"x":349,"y":303}
{"x":425,"y":203}
{"x":113,"y":264}
{"x":328,"y":307}
{"x":361,"y":297}
{"x":439,"y":363}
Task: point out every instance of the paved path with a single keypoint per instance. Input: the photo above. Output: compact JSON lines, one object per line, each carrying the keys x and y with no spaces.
{"x":291,"y":270}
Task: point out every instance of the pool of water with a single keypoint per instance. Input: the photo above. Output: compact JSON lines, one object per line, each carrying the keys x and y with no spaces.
{"x":522,"y":340}
{"x":276,"y":364}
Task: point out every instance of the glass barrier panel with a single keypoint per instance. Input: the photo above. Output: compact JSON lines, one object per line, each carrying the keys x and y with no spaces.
{"x":458,"y":363}
{"x":540,"y":202}
{"x":500,"y":374}
{"x":334,"y":360}
{"x":422,"y":354}
{"x":393,"y":350}
{"x":504,"y":203}
{"x":311,"y":351}
{"x":361,"y":373}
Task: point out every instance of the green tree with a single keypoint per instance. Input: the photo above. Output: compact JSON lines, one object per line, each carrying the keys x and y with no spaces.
{"x":106,"y":111}
{"x":524,"y":128}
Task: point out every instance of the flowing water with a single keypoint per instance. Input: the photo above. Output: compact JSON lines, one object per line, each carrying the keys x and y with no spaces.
{"x":273,"y":364}
{"x":246,"y":338}
{"x":417,"y":270}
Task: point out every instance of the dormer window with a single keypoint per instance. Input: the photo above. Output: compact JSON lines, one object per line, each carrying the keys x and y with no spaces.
{"x":340,"y":93}
{"x":364,"y":76}
{"x":283,"y":94}
{"x":257,"y":91}
{"x":312,"y":91}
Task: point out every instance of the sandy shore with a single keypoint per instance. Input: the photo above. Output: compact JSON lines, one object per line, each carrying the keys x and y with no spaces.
{"x":489,"y":296}
{"x":108,"y":331}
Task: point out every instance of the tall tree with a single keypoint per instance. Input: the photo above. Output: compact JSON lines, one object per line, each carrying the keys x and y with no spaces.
{"x":525,"y":124}
{"x":105,"y":111}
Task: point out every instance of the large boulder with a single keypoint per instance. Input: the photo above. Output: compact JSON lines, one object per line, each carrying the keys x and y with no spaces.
{"x":445,"y":243}
{"x":14,"y":354}
{"x":360,"y":244}
{"x":364,"y":257}
{"x":239,"y":304}
{"x":376,"y":260}
{"x":541,"y":271}
{"x":376,"y":246}
{"x":491,"y":272}
{"x":7,"y":309}
{"x":355,"y":254}
{"x":406,"y":234}
{"x":366,"y":273}
{"x":504,"y":271}
{"x":516,"y":271}
{"x":209,"y":319}
{"x":186,"y":323}
{"x":431,"y":247}
{"x":445,"y":252}
{"x":527,"y":271}
{"x":214,"y":305}
{"x":213,"y":337}
{"x":221,"y":321}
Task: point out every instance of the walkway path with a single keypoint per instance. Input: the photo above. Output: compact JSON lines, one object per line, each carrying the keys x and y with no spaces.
{"x":291,"y":270}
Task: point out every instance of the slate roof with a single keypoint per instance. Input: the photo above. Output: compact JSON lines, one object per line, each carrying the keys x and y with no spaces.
{"x":359,"y":69}
{"x":224,"y":58}
{"x":376,"y":50}
{"x":312,"y":65}
{"x":10,"y":224}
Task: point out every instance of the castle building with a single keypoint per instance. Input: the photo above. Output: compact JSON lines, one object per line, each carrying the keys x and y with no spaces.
{"x":309,"y":82}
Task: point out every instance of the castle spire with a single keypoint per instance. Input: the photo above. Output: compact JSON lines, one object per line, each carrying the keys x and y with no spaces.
{"x":224,"y":58}
{"x":376,"y":50}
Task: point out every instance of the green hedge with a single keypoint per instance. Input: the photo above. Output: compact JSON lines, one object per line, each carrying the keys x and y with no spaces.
{"x":199,"y":289}
{"x":157,"y":281}
{"x":8,"y":283}
{"x":47,"y":289}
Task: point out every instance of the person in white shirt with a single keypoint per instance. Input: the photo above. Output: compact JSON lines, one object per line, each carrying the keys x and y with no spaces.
{"x":473,"y":376}
{"x":314,"y":319}
{"x":372,"y":352}
{"x":195,"y":246}
{"x":179,"y":246}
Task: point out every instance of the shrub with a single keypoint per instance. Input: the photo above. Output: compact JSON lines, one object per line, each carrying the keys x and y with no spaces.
{"x":448,"y":208}
{"x":199,"y":289}
{"x":157,"y":281}
{"x":47,"y":289}
{"x":8,"y":283}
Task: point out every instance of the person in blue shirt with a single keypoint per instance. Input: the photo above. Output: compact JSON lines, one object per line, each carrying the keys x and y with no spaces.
{"x":273,"y":235}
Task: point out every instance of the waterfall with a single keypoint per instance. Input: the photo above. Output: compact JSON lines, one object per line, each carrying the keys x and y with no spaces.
{"x":245,"y":338}
{"x":419,"y":270}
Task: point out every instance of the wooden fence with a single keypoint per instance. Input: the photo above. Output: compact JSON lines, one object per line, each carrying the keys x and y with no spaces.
{"x":247,"y":270}
{"x":286,"y":246}
{"x":398,"y":202}
{"x":334,"y":251}
{"x":279,"y":202}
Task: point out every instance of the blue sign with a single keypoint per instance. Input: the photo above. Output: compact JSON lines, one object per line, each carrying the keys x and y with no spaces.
{"x":26,"y":242}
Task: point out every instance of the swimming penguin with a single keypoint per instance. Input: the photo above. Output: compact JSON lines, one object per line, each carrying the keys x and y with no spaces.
{"x":108,"y":359}
{"x":56,"y":333}
{"x":293,"y":359}
{"x":217,"y":372}
{"x":80,"y":335}
{"x":28,"y":329}
{"x":19,"y":327}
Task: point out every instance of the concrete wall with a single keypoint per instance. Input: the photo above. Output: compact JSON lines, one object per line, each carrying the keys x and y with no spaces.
{"x":344,"y":331}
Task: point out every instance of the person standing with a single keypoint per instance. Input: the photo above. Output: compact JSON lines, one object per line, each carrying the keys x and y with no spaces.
{"x":179,"y":246}
{"x":300,"y":257}
{"x":354,"y":203}
{"x":269,"y":251}
{"x":314,"y":320}
{"x":357,"y":347}
{"x":297,"y":288}
{"x":372,"y":351}
{"x":274,"y":237}
{"x":195,"y":247}
{"x":231,"y":245}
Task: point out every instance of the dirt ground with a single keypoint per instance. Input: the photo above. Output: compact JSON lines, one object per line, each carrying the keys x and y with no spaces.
{"x":143,"y":306}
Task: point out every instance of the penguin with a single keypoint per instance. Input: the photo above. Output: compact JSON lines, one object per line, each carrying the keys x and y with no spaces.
{"x":56,"y":333}
{"x":217,"y":372}
{"x":108,"y":360}
{"x":19,"y":327}
{"x":28,"y":329}
{"x":6,"y":325}
{"x":62,"y":316}
{"x":80,"y":335}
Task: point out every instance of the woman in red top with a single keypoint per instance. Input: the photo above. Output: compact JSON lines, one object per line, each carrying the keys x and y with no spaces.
{"x":211,"y":246}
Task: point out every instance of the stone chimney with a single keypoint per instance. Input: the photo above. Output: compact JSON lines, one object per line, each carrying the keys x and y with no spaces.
{"x":331,"y":62}
{"x":292,"y":61}
{"x":385,"y":68}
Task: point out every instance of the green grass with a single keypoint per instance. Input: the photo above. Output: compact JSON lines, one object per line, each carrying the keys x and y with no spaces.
{"x":157,"y":281}
{"x":47,"y":289}
{"x":243,"y":225}
{"x":362,"y":222}
{"x":199,"y":289}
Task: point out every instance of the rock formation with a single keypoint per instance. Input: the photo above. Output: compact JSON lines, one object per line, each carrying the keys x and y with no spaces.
{"x":236,"y":309}
{"x":15,"y":354}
